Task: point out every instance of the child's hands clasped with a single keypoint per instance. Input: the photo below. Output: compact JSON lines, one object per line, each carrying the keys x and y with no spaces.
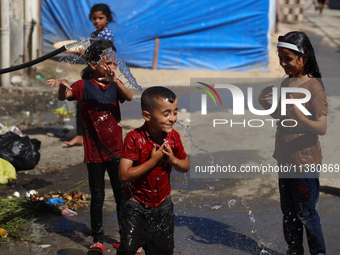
{"x":164,"y":150}
{"x":157,"y":154}
{"x":168,"y":152}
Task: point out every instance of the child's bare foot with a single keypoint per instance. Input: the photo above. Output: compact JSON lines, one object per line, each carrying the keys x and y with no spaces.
{"x":76,"y":141}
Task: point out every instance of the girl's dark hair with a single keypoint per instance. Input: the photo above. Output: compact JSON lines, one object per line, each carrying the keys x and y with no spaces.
{"x":301,"y":40}
{"x":104,"y":9}
{"x":149,"y":96}
{"x":94,"y":53}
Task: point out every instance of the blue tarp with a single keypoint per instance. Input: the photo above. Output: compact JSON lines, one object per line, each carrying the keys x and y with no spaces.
{"x":205,"y":34}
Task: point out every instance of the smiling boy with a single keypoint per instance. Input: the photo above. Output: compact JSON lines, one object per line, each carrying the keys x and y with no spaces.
{"x":149,"y":154}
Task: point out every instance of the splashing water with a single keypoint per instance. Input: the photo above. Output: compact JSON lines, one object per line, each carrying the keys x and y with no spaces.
{"x":231,"y":202}
{"x":185,"y":180}
{"x":215,"y":207}
{"x":66,"y":60}
{"x":125,"y":71}
{"x":260,"y":246}
{"x":191,"y":140}
{"x":84,"y":43}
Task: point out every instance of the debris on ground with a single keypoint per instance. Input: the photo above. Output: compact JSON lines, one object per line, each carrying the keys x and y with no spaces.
{"x":58,"y":201}
{"x":16,"y":210}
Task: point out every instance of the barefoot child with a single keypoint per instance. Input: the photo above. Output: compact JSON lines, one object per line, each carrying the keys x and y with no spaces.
{"x":299,"y":146}
{"x":99,"y":94}
{"x":150,"y":153}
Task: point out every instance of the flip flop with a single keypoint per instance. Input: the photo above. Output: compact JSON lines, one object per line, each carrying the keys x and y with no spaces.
{"x":116,"y":245}
{"x":96,"y":249}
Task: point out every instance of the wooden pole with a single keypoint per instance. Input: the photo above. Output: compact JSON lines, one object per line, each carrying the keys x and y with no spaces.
{"x":155,"y":54}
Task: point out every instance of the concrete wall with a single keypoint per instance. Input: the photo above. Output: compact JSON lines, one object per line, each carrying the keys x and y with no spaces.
{"x":24,"y":33}
{"x":16,"y":16}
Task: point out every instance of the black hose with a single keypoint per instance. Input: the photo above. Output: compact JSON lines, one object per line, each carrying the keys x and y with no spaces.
{"x":33,"y":62}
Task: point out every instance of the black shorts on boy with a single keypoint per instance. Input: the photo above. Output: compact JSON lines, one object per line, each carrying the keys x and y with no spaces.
{"x":148,"y":227}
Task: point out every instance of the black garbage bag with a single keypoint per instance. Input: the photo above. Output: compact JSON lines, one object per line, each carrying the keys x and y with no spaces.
{"x":21,"y":151}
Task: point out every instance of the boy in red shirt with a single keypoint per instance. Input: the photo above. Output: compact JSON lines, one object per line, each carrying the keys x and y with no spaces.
{"x":149,"y":153}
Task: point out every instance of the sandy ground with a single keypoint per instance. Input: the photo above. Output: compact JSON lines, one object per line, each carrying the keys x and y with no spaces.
{"x":205,"y":207}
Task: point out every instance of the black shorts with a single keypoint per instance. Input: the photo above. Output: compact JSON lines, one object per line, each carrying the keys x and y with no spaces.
{"x":150,"y":228}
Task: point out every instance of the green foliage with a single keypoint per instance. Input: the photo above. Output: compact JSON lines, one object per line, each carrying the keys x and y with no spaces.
{"x":14,"y":216}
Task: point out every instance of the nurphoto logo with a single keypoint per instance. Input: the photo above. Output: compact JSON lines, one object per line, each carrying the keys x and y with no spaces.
{"x":239,"y":98}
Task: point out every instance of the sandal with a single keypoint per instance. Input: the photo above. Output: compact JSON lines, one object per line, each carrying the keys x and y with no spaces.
{"x":96,"y":249}
{"x":116,"y":245}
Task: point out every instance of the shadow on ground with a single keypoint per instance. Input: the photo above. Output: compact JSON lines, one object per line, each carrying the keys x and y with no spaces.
{"x":330,"y":190}
{"x":208,"y":231}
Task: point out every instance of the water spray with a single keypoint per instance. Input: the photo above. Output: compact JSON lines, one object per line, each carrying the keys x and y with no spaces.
{"x":125,"y":71}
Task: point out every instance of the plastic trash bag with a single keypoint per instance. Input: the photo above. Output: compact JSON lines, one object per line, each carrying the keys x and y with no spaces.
{"x":55,"y":201}
{"x":21,"y":151}
{"x":49,"y":204}
{"x":7,"y":171}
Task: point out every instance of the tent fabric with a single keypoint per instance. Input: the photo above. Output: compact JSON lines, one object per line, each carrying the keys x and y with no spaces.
{"x":204,"y":35}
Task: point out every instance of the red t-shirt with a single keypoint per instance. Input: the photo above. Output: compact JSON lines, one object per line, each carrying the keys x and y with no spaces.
{"x":152,"y":188}
{"x":100,"y":114}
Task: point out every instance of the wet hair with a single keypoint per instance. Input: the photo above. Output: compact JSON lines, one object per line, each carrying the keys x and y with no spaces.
{"x":94,"y":53}
{"x":301,"y":40}
{"x":149,"y":96}
{"x":105,"y":9}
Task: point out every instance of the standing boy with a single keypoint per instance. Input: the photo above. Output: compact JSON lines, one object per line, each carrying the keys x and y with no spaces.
{"x":150,"y":152}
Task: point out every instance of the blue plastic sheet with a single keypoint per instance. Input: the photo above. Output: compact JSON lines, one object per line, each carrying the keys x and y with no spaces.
{"x":206,"y":34}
